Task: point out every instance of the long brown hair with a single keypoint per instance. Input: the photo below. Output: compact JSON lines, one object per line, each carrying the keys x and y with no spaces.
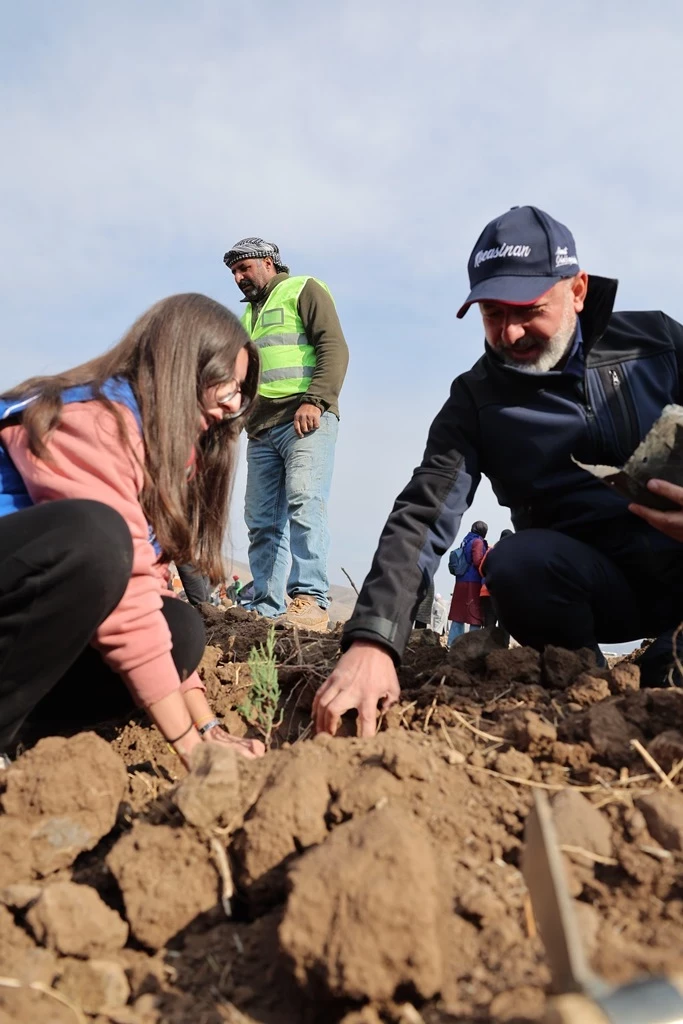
{"x":176,"y":349}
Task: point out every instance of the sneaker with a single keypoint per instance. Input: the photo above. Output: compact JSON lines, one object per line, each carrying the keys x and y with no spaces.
{"x":305,"y":612}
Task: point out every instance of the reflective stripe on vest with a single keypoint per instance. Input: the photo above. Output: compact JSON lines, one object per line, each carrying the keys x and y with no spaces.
{"x":287,"y":358}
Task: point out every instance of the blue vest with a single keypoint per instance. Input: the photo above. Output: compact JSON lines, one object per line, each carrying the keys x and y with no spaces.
{"x":13,"y":493}
{"x":472,"y":575}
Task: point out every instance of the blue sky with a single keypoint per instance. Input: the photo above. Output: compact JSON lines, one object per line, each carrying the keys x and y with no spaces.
{"x":371,"y":140}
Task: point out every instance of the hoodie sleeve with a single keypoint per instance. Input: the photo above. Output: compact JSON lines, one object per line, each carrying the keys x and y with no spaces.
{"x":88,"y":460}
{"x":478,"y":552}
{"x":420,"y":529}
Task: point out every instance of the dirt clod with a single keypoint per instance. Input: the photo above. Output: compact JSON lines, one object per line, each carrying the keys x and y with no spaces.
{"x":73,"y":920}
{"x":579,"y":824}
{"x":98,"y":986}
{"x":403,"y":850}
{"x":371,"y":878}
{"x":610,"y":734}
{"x":166,"y":878}
{"x":210,"y":794}
{"x":663,"y":813}
{"x":68,"y":791}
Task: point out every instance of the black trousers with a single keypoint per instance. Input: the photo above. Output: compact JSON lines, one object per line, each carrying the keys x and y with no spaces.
{"x":551,"y":588}
{"x":64,"y":567}
{"x":197,"y":587}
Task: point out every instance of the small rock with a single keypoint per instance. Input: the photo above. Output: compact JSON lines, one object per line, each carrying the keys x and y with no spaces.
{"x":667,"y":748}
{"x":588,"y":689}
{"x":663,"y":813}
{"x":561,"y":667}
{"x":95,"y":985}
{"x":75,"y":921}
{"x":514,"y":762}
{"x":528,"y":731}
{"x":579,"y":823}
{"x":454,"y":757}
{"x":576,"y":756}
{"x":210,"y":794}
{"x":624,"y":676}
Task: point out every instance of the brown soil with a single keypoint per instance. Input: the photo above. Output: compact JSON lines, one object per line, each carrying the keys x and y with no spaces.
{"x":362,"y":881}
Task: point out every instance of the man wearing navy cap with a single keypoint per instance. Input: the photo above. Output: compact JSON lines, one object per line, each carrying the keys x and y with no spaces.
{"x":562,"y":375}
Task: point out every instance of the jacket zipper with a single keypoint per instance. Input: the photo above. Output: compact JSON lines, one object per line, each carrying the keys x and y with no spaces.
{"x":626,"y":424}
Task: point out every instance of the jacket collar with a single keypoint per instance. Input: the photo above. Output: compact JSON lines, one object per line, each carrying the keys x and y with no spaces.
{"x":597,"y":309}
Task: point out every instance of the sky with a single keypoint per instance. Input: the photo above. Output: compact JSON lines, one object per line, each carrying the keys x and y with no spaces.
{"x":371,"y":140}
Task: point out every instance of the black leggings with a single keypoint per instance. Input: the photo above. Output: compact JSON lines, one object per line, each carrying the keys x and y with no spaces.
{"x":64,"y":567}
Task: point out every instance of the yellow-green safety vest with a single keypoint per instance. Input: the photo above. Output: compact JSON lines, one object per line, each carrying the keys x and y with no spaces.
{"x":287,"y":357}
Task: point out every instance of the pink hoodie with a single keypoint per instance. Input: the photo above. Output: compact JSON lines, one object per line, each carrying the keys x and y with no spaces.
{"x":89,"y":461}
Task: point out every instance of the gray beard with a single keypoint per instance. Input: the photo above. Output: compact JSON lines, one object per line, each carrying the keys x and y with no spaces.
{"x":555,"y":350}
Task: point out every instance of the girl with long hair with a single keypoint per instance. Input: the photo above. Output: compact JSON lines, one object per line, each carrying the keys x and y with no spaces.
{"x":109,"y":471}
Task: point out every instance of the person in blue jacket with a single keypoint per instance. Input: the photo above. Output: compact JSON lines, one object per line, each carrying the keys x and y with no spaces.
{"x":562,"y":377}
{"x":466,"y":602}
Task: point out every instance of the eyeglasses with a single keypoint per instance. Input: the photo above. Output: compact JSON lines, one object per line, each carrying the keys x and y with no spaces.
{"x":226,"y":399}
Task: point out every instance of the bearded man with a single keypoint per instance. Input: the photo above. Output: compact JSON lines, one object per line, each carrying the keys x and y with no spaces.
{"x":562,"y":377}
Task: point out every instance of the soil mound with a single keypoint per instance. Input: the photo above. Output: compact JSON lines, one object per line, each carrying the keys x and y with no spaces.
{"x":362,"y":881}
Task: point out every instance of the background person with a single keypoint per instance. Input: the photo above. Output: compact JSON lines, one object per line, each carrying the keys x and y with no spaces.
{"x":292,"y":431}
{"x":107,"y":472}
{"x":466,"y":606}
{"x":488,"y":611}
{"x":562,"y":376}
{"x":439,"y":615}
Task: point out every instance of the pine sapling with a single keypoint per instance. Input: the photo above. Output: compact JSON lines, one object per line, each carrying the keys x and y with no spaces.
{"x":260,"y":706}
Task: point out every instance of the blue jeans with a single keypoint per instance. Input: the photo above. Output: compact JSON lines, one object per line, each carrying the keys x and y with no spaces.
{"x":457,"y":629}
{"x":285,"y":509}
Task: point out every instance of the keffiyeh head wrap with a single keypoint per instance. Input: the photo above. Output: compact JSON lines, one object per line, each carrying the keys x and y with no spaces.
{"x":254,"y":249}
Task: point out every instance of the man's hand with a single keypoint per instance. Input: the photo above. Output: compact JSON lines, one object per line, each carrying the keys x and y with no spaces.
{"x":364,"y":675}
{"x":307,"y":418}
{"x":670,"y":523}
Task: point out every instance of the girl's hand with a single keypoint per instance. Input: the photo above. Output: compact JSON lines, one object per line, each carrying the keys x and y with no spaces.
{"x":670,"y":523}
{"x":250,"y":749}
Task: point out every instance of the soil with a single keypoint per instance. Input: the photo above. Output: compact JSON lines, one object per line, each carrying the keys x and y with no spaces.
{"x":344,"y":880}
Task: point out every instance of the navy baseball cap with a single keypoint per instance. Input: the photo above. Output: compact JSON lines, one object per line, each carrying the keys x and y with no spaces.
{"x":519,"y":257}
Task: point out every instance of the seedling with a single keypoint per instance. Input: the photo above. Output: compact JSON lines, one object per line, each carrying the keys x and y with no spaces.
{"x":260,"y":706}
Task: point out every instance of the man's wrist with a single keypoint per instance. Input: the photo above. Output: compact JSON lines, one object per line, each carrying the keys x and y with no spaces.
{"x":317,"y":402}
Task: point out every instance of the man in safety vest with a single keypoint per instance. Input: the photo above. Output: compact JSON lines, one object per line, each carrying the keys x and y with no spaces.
{"x":292,"y":431}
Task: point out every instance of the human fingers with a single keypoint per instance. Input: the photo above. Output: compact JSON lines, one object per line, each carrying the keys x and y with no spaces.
{"x":669,"y":523}
{"x":327,"y":692}
{"x":666,"y":489}
{"x":366,"y":725}
{"x":341,"y":702}
{"x":297,"y":426}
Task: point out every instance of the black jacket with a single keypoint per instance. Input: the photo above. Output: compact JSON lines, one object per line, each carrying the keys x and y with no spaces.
{"x":519,"y":429}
